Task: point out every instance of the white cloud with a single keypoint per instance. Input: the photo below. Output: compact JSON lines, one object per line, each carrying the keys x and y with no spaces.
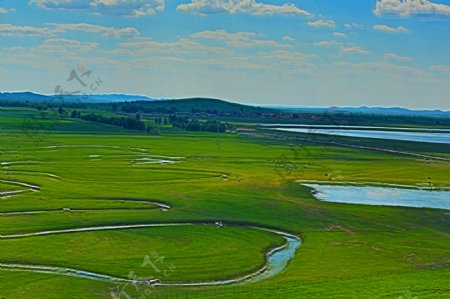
{"x":393,"y":56}
{"x":62,"y":44}
{"x":53,"y":29}
{"x":389,"y":29}
{"x":327,"y":43}
{"x":354,"y":50}
{"x":182,"y":46}
{"x":322,"y":23}
{"x":285,"y":60}
{"x":92,"y":28}
{"x":339,"y":34}
{"x":194,"y":53}
{"x":237,"y":39}
{"x":354,"y":26}
{"x":441,"y":69}
{"x":135,"y":8}
{"x":407,"y":8}
{"x":10,"y":30}
{"x":206,"y":7}
{"x":375,"y":68}
{"x":288,"y":38}
{"x":5,"y":10}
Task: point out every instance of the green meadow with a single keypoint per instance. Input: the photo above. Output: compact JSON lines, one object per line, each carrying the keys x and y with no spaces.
{"x":73,"y":174}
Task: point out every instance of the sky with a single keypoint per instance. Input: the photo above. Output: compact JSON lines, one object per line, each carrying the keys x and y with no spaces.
{"x":390,"y":53}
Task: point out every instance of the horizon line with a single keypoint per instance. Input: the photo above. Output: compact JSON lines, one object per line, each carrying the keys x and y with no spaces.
{"x":242,"y":103}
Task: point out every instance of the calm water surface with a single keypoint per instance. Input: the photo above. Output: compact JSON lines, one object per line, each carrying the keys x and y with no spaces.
{"x":431,"y":137}
{"x":382,"y":196}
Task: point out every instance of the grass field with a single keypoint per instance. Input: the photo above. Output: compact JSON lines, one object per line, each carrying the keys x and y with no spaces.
{"x":79,"y":175}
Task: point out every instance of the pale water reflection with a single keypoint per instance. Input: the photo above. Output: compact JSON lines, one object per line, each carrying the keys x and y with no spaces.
{"x":430,"y":137}
{"x":418,"y":198}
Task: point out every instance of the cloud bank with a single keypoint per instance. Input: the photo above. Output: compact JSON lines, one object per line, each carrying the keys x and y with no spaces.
{"x":252,"y":7}
{"x":406,"y":8}
{"x":132,"y":8}
{"x":389,"y":29}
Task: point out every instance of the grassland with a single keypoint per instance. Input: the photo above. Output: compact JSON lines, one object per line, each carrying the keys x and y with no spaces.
{"x":348,"y":250}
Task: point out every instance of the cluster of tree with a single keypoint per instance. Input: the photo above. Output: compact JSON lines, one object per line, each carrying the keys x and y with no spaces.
{"x":62,"y":112}
{"x":161,"y":121}
{"x":188,"y":124}
{"x":134,"y":108}
{"x":210,"y":111}
{"x":75,"y":114}
{"x":13,"y":104}
{"x":58,"y":104}
{"x":123,"y":122}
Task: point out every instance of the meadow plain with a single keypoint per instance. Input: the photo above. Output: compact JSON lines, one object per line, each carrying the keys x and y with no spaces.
{"x":68,"y":175}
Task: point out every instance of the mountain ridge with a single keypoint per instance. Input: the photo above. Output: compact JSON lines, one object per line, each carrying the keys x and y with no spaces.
{"x":30,"y":96}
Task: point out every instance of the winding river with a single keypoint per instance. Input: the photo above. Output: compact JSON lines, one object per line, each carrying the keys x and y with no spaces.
{"x":276,"y":260}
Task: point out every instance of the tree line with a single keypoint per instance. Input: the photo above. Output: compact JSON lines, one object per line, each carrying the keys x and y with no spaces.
{"x":129,"y":123}
{"x":135,"y":123}
{"x":188,"y":124}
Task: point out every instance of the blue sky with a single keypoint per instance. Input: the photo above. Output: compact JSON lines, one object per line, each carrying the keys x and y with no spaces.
{"x":302,"y":52}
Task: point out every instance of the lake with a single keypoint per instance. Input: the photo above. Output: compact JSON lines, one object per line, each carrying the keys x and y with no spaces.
{"x":383,"y":196}
{"x":405,"y":135}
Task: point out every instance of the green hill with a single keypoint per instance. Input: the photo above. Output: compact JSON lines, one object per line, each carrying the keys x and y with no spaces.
{"x":191,"y":105}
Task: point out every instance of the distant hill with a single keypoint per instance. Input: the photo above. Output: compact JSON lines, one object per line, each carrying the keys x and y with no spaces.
{"x":87,"y":98}
{"x":208,"y":105}
{"x":22,"y":96}
{"x":193,"y":105}
{"x":131,"y":103}
{"x":394,"y":111}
